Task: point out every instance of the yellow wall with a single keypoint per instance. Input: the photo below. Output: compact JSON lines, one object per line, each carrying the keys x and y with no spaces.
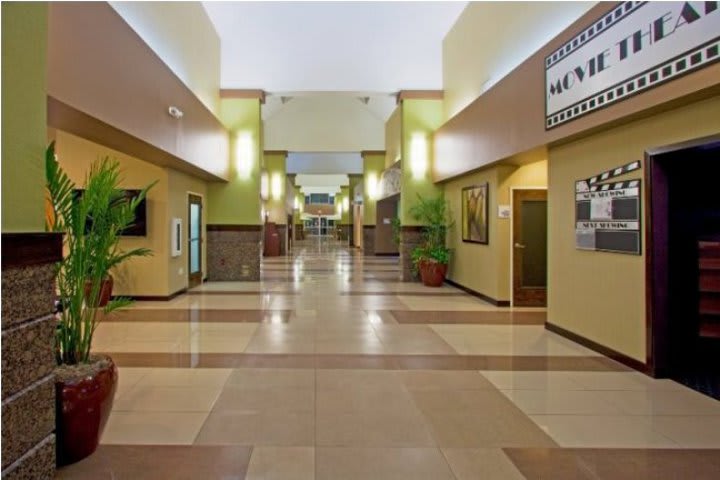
{"x":183,"y":36}
{"x":137,"y":276}
{"x":598,"y":295}
{"x":489,"y":39}
{"x":486,"y":268}
{"x":275,"y":206}
{"x":420,"y":119}
{"x":237,"y":202}
{"x":393,"y":137}
{"x":373,"y":165}
{"x":179,"y":186}
{"x":24,"y":59}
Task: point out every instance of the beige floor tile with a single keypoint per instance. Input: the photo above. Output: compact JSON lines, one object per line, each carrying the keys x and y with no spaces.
{"x":149,"y":398}
{"x":689,"y":431}
{"x":602,"y":431}
{"x":185,"y":377}
{"x":153,"y":428}
{"x":477,"y":418}
{"x":258,"y":378}
{"x":622,"y":381}
{"x":358,"y":379}
{"x":265,"y":400}
{"x":444,"y":380}
{"x":661,"y":402}
{"x":559,"y":402}
{"x":518,"y":380}
{"x":282,"y":463}
{"x":381,"y":464}
{"x":128,"y":377}
{"x":481,"y":463}
{"x":273,"y":428}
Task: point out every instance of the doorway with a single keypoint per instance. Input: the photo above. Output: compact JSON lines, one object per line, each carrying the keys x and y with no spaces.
{"x":529,"y":252}
{"x":683,"y":264}
{"x":194,"y":240}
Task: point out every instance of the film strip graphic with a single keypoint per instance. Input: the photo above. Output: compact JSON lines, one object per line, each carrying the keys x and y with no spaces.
{"x":593,"y":184}
{"x":599,"y":26}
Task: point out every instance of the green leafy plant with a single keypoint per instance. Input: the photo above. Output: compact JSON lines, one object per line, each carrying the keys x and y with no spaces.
{"x":92,"y":224}
{"x":436,"y":218}
{"x":396,"y":228}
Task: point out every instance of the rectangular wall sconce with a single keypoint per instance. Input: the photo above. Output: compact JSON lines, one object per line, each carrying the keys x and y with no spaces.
{"x":176,"y":237}
{"x":264,"y":185}
{"x":418,"y":155}
{"x":244,"y":155}
{"x":372,"y":185}
{"x":276,"y":186}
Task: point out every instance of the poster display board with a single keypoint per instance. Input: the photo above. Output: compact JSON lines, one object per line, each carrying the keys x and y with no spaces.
{"x":607,"y":215}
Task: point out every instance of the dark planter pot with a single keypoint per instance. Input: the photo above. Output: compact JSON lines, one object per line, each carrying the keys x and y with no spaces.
{"x":105,"y":290}
{"x":83,"y":408}
{"x":432,"y":274}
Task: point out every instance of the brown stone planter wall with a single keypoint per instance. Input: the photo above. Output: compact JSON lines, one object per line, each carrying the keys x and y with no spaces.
{"x":28,"y":354}
{"x":368,"y":240}
{"x":233,"y":252}
{"x":410,"y":237}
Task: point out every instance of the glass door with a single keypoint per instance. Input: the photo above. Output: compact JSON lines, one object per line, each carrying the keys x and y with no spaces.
{"x":194,"y":240}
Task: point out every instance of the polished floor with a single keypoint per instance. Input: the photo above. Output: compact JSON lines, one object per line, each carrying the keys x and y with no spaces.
{"x":330,"y":368}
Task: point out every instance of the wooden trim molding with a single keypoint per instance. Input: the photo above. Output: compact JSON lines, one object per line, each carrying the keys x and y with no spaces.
{"x":481,"y":296}
{"x":218,"y":227}
{"x":369,"y":227}
{"x":420,"y":95}
{"x":411,"y":228}
{"x":387,"y":254}
{"x":25,"y":249}
{"x":275,"y":152}
{"x":608,"y":352}
{"x":365,"y":153}
{"x":243,"y":93}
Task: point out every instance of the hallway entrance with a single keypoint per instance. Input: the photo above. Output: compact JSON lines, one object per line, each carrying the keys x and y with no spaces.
{"x":684,"y":264}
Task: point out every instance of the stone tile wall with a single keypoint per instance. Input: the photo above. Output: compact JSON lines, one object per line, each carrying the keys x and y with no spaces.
{"x":369,"y":240}
{"x":28,"y":355}
{"x":410,"y":237}
{"x":233,"y":254}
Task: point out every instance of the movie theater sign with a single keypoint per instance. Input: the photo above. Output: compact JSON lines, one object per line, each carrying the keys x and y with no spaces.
{"x":634,"y":47}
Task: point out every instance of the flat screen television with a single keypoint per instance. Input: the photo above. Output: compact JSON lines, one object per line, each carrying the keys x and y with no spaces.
{"x":138,"y":228}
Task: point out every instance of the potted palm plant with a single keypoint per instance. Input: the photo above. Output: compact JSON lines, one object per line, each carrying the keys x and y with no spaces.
{"x":431,"y":258}
{"x":92,"y":223}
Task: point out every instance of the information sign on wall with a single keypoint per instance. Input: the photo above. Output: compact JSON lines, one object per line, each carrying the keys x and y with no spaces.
{"x":607,"y":215}
{"x":634,"y":47}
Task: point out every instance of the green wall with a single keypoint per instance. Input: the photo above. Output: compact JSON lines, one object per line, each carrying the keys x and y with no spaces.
{"x":274,"y":164}
{"x":419,"y":118}
{"x":24,"y":122}
{"x":373,"y":165}
{"x":237,"y":202}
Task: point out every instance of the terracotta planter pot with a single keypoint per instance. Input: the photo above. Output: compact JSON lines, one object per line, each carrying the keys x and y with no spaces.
{"x":105,"y":290}
{"x":432,"y":274}
{"x":83,"y":408}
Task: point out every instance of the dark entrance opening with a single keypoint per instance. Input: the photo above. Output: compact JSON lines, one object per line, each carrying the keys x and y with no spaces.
{"x":683,"y":264}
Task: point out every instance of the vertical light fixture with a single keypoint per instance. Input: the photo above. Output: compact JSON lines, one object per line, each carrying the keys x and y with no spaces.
{"x":296,"y":204}
{"x":372,"y":185}
{"x":346,"y":203}
{"x":418,"y":155}
{"x":244,"y":155}
{"x":276,"y":186}
{"x":264,"y":185}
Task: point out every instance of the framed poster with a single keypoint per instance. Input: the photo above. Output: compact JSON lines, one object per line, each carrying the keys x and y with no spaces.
{"x":475,"y":214}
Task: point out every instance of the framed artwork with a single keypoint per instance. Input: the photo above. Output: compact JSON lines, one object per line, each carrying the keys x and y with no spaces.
{"x":475,"y":214}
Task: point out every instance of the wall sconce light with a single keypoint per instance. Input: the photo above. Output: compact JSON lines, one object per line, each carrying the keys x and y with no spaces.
{"x":264,"y":185}
{"x":372,"y":185}
{"x":244,"y":155}
{"x":175,"y":112}
{"x":346,"y":203}
{"x":418,"y":155}
{"x":296,"y":204}
{"x":339,"y":208}
{"x":276,"y":186}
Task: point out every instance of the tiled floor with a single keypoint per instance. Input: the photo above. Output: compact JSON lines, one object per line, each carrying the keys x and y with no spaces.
{"x":330,"y":368}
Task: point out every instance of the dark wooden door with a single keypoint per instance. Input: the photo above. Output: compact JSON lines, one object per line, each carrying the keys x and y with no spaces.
{"x":194,"y":240}
{"x":529,"y":219}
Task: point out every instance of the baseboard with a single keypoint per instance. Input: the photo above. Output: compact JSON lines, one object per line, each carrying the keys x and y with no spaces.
{"x":380,"y":254}
{"x":482,"y":296}
{"x":608,"y":352}
{"x":154,"y":298}
{"x":205,"y":280}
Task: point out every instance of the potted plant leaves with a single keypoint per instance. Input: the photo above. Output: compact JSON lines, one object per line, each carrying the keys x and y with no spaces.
{"x":431,"y":258}
{"x":92,"y":223}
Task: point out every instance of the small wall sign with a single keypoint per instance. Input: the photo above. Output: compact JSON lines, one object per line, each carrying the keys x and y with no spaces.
{"x":504,"y":211}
